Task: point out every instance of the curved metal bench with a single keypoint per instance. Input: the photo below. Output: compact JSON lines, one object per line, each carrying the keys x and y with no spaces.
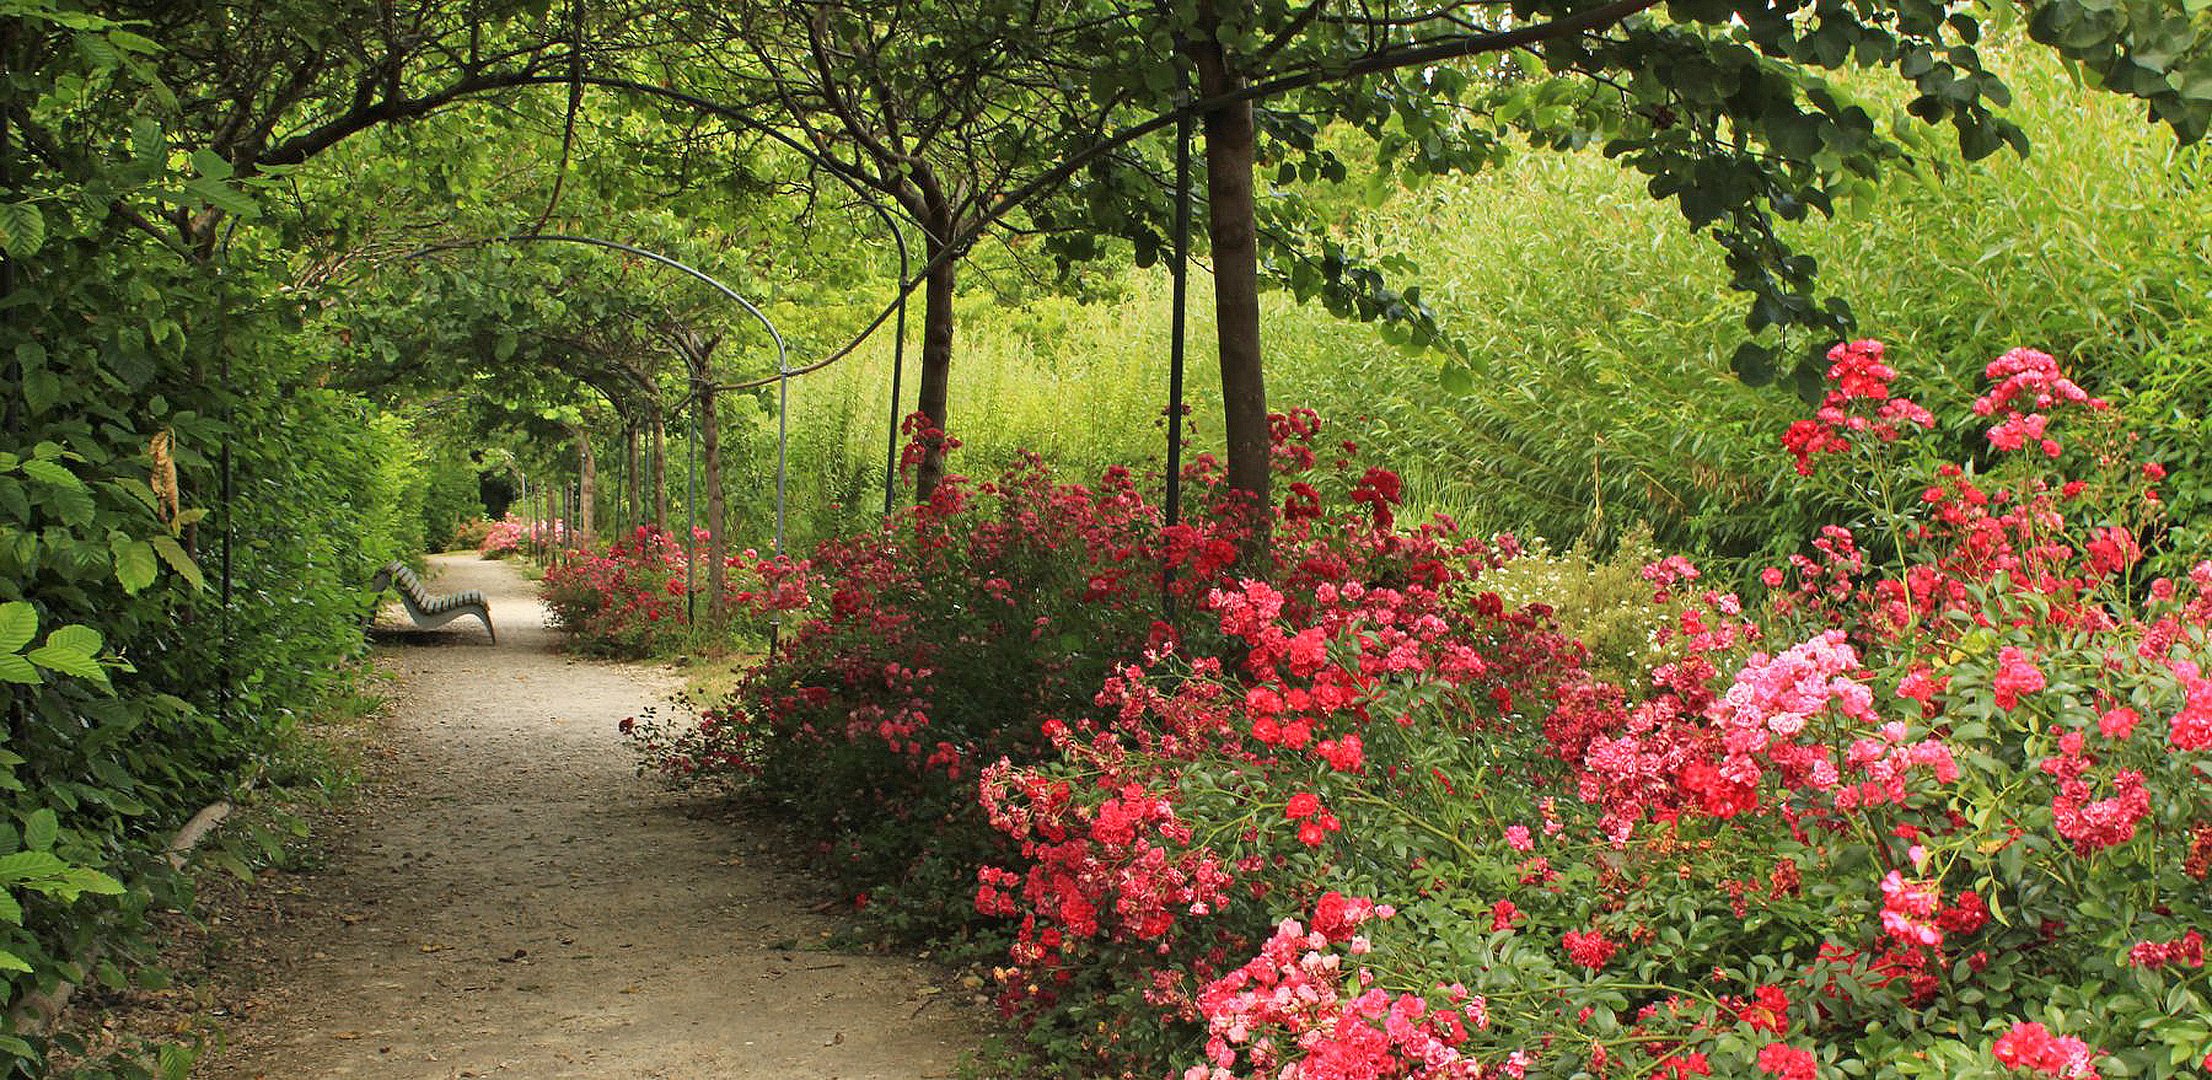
{"x":431,"y":612}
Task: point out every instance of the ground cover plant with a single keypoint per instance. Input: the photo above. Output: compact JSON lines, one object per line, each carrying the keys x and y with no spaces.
{"x":1945,"y":811}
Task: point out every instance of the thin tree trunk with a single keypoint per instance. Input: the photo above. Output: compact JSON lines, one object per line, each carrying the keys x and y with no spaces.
{"x":936,"y":381}
{"x":710,"y":449}
{"x":660,"y":470}
{"x":587,"y":488}
{"x":630,"y":506}
{"x":1230,"y":224}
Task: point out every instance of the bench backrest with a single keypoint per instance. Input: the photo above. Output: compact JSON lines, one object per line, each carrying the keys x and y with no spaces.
{"x":405,"y":580}
{"x":410,"y":585}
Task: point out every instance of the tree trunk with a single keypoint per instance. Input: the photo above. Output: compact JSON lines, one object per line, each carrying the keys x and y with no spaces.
{"x":710,"y":451}
{"x":587,"y":488}
{"x":660,"y":470}
{"x":1230,"y":225}
{"x":630,"y":487}
{"x":936,"y":381}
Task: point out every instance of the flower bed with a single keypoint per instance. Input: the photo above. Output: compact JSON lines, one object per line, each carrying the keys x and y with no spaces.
{"x":1945,"y":811}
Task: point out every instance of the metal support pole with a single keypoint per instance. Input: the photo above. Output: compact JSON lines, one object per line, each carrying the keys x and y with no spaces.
{"x":1179,"y":305}
{"x":227,"y":675}
{"x":898,"y":364}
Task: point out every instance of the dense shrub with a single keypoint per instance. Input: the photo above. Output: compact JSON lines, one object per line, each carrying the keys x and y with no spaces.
{"x":471,"y":533}
{"x":1946,"y":812}
{"x":450,"y":501}
{"x":115,"y":515}
{"x":188,"y":514}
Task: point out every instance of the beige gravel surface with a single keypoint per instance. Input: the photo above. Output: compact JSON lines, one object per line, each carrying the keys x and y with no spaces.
{"x":511,"y":900}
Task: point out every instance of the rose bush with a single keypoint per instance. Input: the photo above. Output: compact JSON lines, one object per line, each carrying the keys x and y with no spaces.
{"x":1937,"y":803}
{"x":1947,"y":817}
{"x":628,"y":600}
{"x":931,"y":647}
{"x":504,"y":537}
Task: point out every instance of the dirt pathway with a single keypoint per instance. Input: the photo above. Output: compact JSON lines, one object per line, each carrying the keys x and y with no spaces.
{"x":512,"y":901}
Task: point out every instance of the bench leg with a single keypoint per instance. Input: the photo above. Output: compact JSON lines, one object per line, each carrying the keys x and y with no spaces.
{"x":486,"y":616}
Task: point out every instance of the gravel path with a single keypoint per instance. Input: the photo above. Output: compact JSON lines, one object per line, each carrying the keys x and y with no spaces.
{"x":513,"y":901}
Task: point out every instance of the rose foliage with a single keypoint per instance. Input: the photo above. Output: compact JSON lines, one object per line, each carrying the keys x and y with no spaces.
{"x":1948,"y":814}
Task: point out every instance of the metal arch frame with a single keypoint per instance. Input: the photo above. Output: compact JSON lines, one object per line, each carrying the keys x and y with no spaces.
{"x":783,"y":366}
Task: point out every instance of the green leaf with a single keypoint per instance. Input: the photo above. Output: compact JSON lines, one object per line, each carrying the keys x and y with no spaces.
{"x":148,"y":148}
{"x":11,"y":962}
{"x":18,"y":622}
{"x":175,"y":1062}
{"x":77,"y":638}
{"x":53,"y":475}
{"x":16,"y":669}
{"x":11,"y":911}
{"x":70,"y":662}
{"x":22,"y":229}
{"x":41,"y":389}
{"x":179,"y":560}
{"x":84,"y":879}
{"x":211,"y":165}
{"x":1753,"y":363}
{"x":73,"y":505}
{"x":31,"y":866}
{"x":223,"y":197}
{"x":40,"y":829}
{"x":135,"y":565}
{"x":137,"y":489}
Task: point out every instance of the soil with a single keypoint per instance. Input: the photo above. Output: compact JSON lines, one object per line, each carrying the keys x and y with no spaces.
{"x":509,"y":899}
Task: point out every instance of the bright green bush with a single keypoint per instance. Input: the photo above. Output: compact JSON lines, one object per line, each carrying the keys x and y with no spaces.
{"x":450,"y":499}
{"x":174,"y":482}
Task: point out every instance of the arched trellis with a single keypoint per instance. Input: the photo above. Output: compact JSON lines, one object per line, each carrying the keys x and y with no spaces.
{"x":784,"y":372}
{"x":700,"y":387}
{"x":1182,"y":205}
{"x":783,"y":366}
{"x":634,"y":398}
